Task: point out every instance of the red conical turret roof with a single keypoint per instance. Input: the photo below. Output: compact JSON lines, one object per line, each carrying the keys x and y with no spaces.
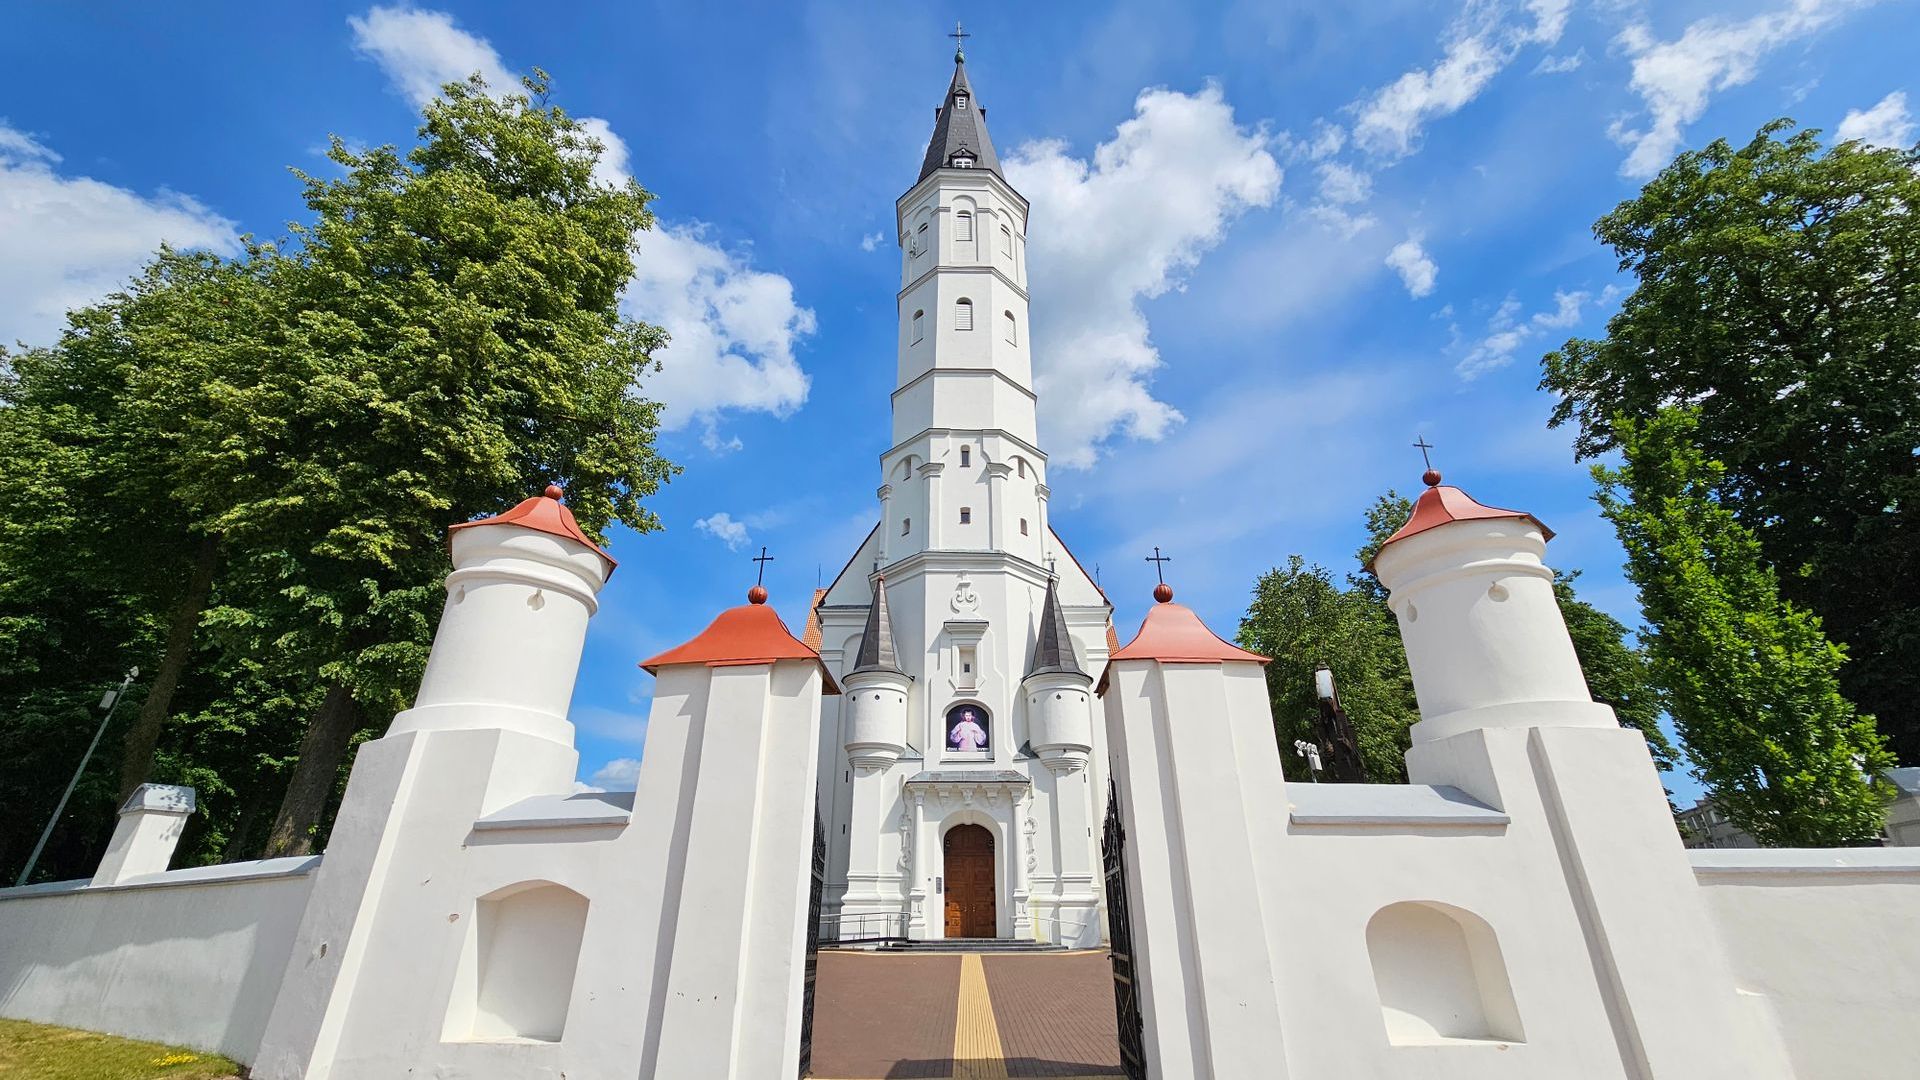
{"x":1444,"y":504}
{"x":749,"y":634}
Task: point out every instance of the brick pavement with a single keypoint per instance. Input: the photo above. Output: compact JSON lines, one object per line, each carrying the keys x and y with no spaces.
{"x":881,"y":1016}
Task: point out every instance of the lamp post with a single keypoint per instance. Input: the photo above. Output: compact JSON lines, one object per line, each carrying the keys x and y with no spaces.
{"x":109,"y":701}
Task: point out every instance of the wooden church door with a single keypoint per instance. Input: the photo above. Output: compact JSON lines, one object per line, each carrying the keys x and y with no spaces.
{"x":969,"y":871}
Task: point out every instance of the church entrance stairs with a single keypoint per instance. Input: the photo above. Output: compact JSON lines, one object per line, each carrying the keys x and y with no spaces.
{"x":974,"y":945}
{"x":893,"y":1015}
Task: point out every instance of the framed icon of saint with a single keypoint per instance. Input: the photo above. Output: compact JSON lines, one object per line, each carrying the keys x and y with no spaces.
{"x":967,"y":727}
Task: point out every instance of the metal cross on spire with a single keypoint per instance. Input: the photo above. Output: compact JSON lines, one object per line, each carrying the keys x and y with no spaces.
{"x":760,"y":566}
{"x":959,"y":37}
{"x":1159,"y":562}
{"x":1424,"y":446}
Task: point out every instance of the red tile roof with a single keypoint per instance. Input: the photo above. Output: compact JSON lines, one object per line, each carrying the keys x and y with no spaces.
{"x":749,"y":634}
{"x":547,"y":514}
{"x":1442,"y":505}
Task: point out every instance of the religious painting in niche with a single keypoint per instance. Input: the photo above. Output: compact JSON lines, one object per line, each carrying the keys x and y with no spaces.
{"x":967,"y":729}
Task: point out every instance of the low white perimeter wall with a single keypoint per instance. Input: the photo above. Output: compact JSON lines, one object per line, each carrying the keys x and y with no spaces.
{"x":189,"y":957}
{"x":1830,"y":940}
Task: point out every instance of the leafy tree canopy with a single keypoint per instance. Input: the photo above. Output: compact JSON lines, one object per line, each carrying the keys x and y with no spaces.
{"x":1750,"y":679}
{"x":1778,"y":296}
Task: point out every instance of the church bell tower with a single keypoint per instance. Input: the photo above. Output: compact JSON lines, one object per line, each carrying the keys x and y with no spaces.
{"x":962,"y":773}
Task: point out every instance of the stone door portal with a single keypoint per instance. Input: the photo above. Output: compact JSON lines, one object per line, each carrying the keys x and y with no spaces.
{"x":970,"y":890}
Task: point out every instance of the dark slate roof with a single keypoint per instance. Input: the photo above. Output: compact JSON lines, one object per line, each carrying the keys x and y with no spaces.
{"x":955,"y":130}
{"x":1053,"y":648}
{"x":876,"y":642}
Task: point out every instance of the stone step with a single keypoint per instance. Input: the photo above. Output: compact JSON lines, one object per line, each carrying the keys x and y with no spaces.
{"x":980,"y":945}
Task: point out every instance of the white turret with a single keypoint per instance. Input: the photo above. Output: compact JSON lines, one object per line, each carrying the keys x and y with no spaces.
{"x":508,"y":648}
{"x":1485,"y":640}
{"x":1059,"y":702}
{"x":876,"y":692}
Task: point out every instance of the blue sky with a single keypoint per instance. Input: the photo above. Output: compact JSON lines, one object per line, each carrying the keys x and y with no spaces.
{"x":1271,"y":243}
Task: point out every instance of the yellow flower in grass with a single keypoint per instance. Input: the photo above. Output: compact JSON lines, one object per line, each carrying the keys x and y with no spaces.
{"x":178,"y":1058}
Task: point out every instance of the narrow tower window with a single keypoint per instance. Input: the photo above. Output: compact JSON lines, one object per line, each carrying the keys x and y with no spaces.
{"x":1023,"y":526}
{"x":963,"y":227}
{"x":1006,"y":320}
{"x":966,"y":456}
{"x":1006,"y":241}
{"x":920,"y":243}
{"x":919,"y":325}
{"x":966,"y":515}
{"x":1022,"y":463}
{"x":906,"y":526}
{"x":963,"y":314}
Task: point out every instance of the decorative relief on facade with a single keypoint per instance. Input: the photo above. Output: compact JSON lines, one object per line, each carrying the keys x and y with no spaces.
{"x":906,"y":834}
{"x":1026,"y":827}
{"x":964,"y":598}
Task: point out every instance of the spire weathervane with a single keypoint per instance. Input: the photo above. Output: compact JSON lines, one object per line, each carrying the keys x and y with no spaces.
{"x":959,"y":37}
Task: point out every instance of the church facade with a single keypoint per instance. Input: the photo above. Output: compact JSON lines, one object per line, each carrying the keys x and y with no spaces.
{"x":962,"y":773}
{"x":965,"y":752}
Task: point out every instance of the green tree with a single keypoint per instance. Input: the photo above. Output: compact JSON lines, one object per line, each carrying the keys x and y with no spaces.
{"x":1301,"y":618}
{"x":457,"y":342}
{"x":1778,"y":294}
{"x":1750,"y":678}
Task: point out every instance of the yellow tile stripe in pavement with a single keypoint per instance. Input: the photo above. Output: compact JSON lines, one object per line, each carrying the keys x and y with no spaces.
{"x":977,"y":1054}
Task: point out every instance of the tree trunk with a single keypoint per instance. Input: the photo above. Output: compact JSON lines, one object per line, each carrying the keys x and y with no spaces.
{"x":321,"y":749}
{"x":136,"y":760}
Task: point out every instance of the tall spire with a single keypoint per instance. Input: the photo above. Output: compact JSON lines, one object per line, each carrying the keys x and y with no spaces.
{"x":876,"y":643}
{"x":960,"y":129}
{"x":1053,"y":647}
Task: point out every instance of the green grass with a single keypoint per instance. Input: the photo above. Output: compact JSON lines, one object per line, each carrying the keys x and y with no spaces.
{"x":40,"y":1052}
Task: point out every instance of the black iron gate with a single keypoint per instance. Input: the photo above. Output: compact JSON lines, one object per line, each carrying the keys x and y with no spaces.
{"x":813,"y":943}
{"x":1126,"y":999}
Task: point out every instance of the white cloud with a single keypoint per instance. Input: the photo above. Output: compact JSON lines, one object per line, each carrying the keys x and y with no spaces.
{"x":1507,"y":331}
{"x":1676,"y":79}
{"x":1343,"y":183}
{"x":733,"y":327}
{"x":1416,"y":268}
{"x":1886,"y":124}
{"x":421,"y":51}
{"x":1479,"y":45}
{"x":620,"y":774}
{"x":66,"y":241}
{"x":871,"y":241}
{"x":723,"y":528}
{"x":1124,"y":227}
{"x":1560,"y":65}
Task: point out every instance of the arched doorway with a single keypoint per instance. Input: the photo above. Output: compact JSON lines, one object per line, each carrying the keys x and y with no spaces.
{"x":970,"y":888}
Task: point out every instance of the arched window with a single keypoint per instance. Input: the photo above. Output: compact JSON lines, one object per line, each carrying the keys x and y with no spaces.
{"x":966,"y":456}
{"x":1006,"y":323}
{"x":963,"y":314}
{"x":966,"y":515}
{"x":963,"y":227}
{"x":1022,"y":464}
{"x":1006,"y":241}
{"x":906,"y":526}
{"x":920,"y":240}
{"x":919,"y":325}
{"x":1023,"y":526}
{"x":1440,"y":976}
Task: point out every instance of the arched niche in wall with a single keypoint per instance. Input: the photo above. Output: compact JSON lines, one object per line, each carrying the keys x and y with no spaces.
{"x":516,"y":972}
{"x":1440,"y":976}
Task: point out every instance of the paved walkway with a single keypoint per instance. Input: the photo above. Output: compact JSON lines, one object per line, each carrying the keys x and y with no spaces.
{"x":968,"y":1016}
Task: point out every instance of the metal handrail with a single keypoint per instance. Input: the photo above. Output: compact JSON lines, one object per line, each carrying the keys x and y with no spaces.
{"x":865,"y":926}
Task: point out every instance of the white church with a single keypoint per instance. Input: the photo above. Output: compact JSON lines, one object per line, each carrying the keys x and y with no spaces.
{"x":967,"y":752}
